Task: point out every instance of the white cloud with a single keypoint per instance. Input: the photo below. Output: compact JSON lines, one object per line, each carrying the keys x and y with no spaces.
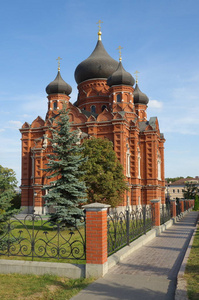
{"x":178,"y":124}
{"x":24,"y":116}
{"x":155,"y":104}
{"x":2,"y":129}
{"x":15,"y":124}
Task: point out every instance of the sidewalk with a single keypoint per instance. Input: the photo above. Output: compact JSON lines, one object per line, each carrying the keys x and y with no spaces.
{"x":150,"y":273}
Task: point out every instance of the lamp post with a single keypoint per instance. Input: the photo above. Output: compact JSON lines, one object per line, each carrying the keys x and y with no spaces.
{"x":127,"y":197}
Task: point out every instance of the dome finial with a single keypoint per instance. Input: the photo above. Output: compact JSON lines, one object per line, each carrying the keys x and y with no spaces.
{"x":120,"y":52}
{"x":99,"y":31}
{"x":136,"y":76}
{"x":58,"y":59}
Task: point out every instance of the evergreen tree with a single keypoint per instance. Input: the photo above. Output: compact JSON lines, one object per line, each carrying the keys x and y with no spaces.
{"x":103,"y":176}
{"x":66,"y":192}
{"x":8,"y":183}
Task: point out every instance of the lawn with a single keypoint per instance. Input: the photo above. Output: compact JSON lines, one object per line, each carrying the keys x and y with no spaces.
{"x":192,"y":270}
{"x":42,"y":241}
{"x":46,"y":287}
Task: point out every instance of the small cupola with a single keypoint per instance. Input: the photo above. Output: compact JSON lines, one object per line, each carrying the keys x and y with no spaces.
{"x":121,"y":77}
{"x":139,"y":97}
{"x":58,"y":86}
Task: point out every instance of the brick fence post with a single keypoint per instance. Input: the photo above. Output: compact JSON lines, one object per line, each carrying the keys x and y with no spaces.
{"x":156,"y":211}
{"x":181,"y":201}
{"x":173,"y":208}
{"x":96,"y":239}
{"x":193,"y":202}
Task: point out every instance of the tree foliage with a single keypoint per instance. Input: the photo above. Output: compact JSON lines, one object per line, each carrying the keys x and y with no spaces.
{"x":190,"y":190}
{"x":103,"y":176}
{"x":196,"y":203}
{"x":8,"y":182}
{"x":66,"y":191}
{"x":16,"y":201}
{"x":173,"y":179}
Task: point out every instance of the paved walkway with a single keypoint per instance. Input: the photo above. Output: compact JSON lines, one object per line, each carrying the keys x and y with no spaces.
{"x":150,"y":272}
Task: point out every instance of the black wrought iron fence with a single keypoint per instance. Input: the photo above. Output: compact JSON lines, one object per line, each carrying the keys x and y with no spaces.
{"x":126,"y":226}
{"x":34,"y":237}
{"x":165,"y":213}
{"x":178,"y":208}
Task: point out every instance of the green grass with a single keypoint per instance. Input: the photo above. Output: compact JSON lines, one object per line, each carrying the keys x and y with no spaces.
{"x":46,"y":241}
{"x":46,"y":287}
{"x":192,"y":270}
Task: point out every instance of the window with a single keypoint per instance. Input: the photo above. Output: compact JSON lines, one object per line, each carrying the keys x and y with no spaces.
{"x":54,"y":105}
{"x":178,"y":191}
{"x":103,"y":107}
{"x":128,"y":162}
{"x":139,"y":159}
{"x":93,"y":109}
{"x":119,"y":98}
{"x":173,"y":191}
{"x":159,"y":166}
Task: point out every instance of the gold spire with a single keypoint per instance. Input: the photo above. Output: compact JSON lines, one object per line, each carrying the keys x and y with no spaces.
{"x":120,"y":53}
{"x":99,"y":31}
{"x":136,"y":76}
{"x":58,"y":59}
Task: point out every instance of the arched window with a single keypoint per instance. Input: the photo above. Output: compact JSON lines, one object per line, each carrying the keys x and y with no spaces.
{"x":139,"y":159}
{"x":93,"y":109}
{"x":159,"y":165}
{"x":119,"y":99}
{"x":103,"y":107}
{"x":128,"y":173}
{"x":54,"y":105}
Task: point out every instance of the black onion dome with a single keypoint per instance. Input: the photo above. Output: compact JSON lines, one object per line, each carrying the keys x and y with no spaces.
{"x":98,"y":65}
{"x":121,"y":76}
{"x":139,"y":97}
{"x":58,"y":86}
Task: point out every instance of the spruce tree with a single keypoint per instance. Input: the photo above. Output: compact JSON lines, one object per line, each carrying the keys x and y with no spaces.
{"x":66,"y":192}
{"x":8,"y":183}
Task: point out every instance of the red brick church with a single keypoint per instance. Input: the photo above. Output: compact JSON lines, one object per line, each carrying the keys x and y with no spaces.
{"x":109,"y":105}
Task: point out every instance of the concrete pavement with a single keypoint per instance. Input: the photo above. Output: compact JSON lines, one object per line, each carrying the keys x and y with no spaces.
{"x":150,"y":272}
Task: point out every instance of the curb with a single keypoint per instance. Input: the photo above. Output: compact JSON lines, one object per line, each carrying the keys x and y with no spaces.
{"x":181,"y":288}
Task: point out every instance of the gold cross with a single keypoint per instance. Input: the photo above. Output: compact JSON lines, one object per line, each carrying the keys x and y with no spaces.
{"x":136,"y":76}
{"x":120,"y":53}
{"x":58,"y":59}
{"x":99,"y":22}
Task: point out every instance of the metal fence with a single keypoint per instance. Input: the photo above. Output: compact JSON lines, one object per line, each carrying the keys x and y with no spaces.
{"x":126,"y":226}
{"x":34,"y":237}
{"x":165,"y":213}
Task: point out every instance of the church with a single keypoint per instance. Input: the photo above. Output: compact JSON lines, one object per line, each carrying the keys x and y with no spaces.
{"x":109,"y":105}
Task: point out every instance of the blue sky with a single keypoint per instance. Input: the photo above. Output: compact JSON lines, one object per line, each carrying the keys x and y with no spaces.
{"x":159,"y":39}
